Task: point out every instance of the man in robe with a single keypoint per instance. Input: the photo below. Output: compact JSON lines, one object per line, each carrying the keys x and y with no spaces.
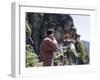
{"x":47,"y":48}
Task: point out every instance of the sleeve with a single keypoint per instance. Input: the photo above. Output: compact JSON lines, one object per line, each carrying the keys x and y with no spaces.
{"x":51,"y":45}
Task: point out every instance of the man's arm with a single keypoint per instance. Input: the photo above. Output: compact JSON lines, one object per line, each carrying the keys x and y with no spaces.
{"x":51,"y":45}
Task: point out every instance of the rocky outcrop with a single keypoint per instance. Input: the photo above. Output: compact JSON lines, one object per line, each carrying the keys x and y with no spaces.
{"x":38,"y":23}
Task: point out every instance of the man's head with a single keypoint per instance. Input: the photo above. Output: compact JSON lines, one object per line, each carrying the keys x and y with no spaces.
{"x":78,"y":37}
{"x":50,"y":33}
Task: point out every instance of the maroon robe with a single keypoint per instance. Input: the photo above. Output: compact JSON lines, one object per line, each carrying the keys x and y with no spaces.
{"x":47,"y":48}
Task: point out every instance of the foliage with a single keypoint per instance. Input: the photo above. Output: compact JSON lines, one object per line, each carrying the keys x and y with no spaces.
{"x":82,"y":51}
{"x":31,"y":57}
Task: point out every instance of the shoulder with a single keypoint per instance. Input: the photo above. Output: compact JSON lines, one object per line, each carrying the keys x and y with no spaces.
{"x":47,"y":39}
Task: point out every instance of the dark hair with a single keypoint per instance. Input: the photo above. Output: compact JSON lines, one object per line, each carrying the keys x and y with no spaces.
{"x":50,"y":31}
{"x":78,"y":36}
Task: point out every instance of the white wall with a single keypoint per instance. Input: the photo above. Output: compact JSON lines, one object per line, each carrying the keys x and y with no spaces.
{"x":5,"y":39}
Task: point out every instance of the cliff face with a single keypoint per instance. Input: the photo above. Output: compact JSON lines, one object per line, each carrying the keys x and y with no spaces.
{"x":38,"y":23}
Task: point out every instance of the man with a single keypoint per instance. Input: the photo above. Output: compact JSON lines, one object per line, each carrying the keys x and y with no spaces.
{"x":47,"y":48}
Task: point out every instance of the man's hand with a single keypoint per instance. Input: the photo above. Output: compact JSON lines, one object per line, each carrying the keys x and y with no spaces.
{"x":54,"y":40}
